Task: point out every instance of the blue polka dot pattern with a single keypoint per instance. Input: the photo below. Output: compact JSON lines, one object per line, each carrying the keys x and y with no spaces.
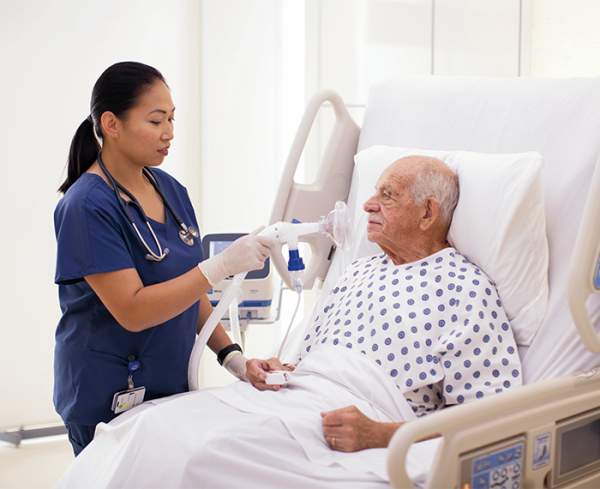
{"x":446,"y":309}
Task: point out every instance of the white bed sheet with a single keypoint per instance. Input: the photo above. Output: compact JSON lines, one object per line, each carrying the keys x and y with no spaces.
{"x":239,"y":437}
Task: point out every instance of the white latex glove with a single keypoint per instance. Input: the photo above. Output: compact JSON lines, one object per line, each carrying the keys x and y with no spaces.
{"x":243,"y":255}
{"x":236,"y":365}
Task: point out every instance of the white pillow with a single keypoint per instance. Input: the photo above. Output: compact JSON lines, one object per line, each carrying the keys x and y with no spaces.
{"x":498,"y":225}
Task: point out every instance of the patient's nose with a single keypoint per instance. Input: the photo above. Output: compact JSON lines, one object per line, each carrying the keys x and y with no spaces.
{"x":371,"y":205}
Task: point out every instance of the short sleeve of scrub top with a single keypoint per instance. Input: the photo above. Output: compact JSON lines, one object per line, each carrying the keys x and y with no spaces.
{"x":92,"y":350}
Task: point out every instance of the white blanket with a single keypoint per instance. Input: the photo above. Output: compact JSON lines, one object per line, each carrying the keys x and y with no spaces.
{"x":239,"y":437}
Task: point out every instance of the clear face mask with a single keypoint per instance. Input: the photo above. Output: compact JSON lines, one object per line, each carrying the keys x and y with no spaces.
{"x":338,"y":226}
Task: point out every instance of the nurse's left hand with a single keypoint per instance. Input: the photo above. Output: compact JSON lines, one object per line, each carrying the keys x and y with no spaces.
{"x":256,"y":372}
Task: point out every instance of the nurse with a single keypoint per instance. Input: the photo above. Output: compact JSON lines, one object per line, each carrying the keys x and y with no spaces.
{"x":132,"y":293}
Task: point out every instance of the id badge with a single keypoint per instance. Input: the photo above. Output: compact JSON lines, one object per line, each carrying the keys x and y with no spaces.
{"x":125,"y":400}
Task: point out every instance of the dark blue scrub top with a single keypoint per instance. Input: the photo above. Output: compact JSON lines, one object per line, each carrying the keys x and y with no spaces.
{"x":92,"y":349}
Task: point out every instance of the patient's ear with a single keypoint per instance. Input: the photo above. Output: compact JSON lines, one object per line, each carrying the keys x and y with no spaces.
{"x":429,"y":213}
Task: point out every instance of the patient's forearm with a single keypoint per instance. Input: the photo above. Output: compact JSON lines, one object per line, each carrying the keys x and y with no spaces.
{"x":386,"y":431}
{"x":384,"y":435}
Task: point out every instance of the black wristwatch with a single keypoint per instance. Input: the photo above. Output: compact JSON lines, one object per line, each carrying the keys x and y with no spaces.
{"x":226,"y":351}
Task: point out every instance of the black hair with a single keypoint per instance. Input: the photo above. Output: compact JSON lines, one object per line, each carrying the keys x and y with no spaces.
{"x":115,"y":91}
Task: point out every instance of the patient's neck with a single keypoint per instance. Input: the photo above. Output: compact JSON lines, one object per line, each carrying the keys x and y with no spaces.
{"x":417,"y":252}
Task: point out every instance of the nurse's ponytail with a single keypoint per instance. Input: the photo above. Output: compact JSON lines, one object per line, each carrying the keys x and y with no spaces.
{"x":115,"y":91}
{"x":83,"y":152}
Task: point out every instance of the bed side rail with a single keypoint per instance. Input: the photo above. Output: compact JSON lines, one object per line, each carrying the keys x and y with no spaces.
{"x":308,"y":203}
{"x":530,"y":411}
{"x":584,"y":272}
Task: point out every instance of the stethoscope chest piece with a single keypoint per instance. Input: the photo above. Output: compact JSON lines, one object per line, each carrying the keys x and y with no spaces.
{"x":187,"y":235}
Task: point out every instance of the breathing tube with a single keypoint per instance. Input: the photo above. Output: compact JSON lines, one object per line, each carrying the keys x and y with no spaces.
{"x":337,"y":225}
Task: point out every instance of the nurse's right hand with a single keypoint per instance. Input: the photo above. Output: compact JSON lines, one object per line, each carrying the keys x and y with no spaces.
{"x":243,"y":255}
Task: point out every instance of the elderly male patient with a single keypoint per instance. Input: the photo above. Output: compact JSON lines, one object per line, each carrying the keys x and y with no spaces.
{"x":428,"y":317}
{"x":403,"y":333}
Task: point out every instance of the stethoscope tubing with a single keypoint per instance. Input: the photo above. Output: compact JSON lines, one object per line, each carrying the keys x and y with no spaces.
{"x":186,"y":234}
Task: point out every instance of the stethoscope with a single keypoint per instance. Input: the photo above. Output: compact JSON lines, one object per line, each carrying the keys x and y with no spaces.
{"x":187,"y":234}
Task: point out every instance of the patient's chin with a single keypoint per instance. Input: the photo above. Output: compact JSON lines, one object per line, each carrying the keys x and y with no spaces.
{"x":373,"y":230}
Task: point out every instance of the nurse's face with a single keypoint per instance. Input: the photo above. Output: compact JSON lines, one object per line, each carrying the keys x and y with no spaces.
{"x":146,"y":130}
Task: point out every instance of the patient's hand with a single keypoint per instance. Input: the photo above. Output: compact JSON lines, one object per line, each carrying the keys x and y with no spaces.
{"x":256,"y":372}
{"x":349,"y":430}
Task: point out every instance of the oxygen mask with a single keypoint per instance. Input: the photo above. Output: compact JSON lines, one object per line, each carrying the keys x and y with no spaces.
{"x":338,"y":226}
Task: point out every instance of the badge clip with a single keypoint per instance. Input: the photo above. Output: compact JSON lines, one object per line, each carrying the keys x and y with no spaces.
{"x":132,"y":397}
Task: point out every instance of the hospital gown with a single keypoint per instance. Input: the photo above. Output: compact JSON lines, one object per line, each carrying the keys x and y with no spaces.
{"x":437,"y":327}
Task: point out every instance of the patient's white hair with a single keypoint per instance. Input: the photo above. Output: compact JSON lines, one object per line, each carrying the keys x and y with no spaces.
{"x":443,"y":187}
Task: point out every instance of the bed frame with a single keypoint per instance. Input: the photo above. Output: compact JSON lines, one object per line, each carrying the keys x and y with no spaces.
{"x":532,"y":425}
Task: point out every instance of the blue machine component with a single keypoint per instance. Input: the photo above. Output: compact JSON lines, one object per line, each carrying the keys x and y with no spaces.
{"x":597,"y":276}
{"x":244,"y":304}
{"x":295,"y":262}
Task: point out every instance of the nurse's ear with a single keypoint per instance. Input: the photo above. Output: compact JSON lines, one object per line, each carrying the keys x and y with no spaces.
{"x":109,"y":125}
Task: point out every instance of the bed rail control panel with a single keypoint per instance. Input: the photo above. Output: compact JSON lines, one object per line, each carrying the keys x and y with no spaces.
{"x":577,"y":448}
{"x":497,"y":466}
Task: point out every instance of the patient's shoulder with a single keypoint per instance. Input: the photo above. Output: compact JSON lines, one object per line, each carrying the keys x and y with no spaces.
{"x":463,"y":265}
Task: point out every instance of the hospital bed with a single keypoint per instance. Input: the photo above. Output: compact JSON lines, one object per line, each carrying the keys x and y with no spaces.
{"x":547,"y":433}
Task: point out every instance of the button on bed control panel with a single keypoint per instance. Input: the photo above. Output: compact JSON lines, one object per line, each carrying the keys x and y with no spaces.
{"x":496,"y":466}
